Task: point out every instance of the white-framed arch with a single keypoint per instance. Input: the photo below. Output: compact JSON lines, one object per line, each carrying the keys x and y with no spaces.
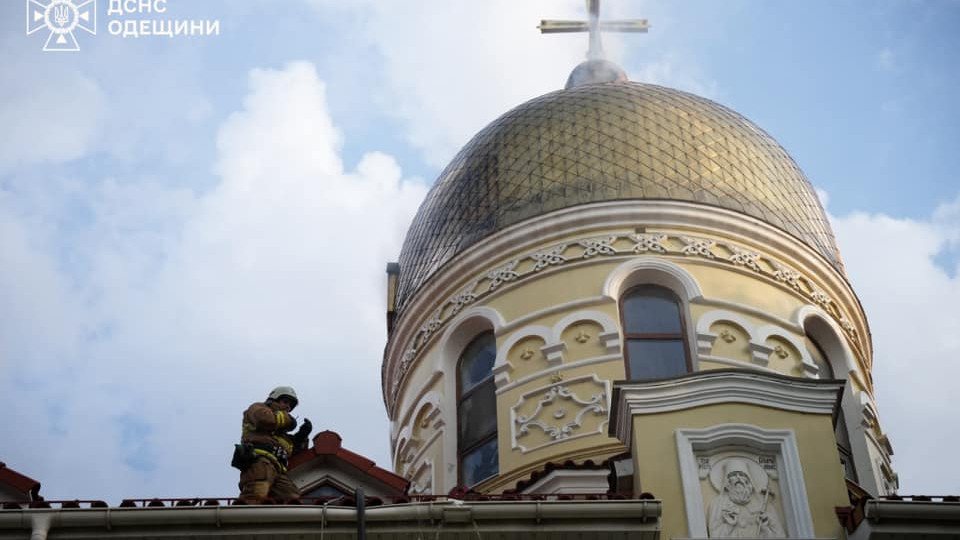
{"x":650,"y":269}
{"x":821,"y":327}
{"x":653,"y":270}
{"x":502,"y":368}
{"x":706,"y":338}
{"x":858,"y":413}
{"x":464,"y":328}
{"x":758,"y":347}
{"x":610,"y":336}
{"x":406,"y":446}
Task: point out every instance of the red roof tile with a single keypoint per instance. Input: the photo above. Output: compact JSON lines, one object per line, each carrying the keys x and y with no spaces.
{"x":19,"y":482}
{"x":327,"y":444}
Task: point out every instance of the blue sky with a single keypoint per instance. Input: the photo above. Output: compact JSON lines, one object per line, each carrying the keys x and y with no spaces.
{"x":170,"y":207}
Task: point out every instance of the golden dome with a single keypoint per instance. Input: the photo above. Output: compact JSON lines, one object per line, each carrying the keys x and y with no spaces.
{"x":605,"y":142}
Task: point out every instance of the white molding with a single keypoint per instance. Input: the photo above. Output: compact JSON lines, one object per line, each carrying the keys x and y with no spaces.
{"x":715,"y":387}
{"x":782,"y":443}
{"x":594,"y":219}
{"x":425,"y":465}
{"x":828,"y":334}
{"x":577,"y":481}
{"x":653,"y":269}
{"x":406,"y":445}
{"x":554,"y":309}
{"x":706,"y":338}
{"x":732,"y":362}
{"x":786,"y":324}
{"x":502,"y":368}
{"x":405,"y":417}
{"x":418,"y":459}
{"x":556,"y":369}
{"x":554,"y":353}
{"x":769,"y":331}
{"x":599,"y":401}
{"x":847,"y":361}
{"x":458,"y":334}
{"x":590,"y":316}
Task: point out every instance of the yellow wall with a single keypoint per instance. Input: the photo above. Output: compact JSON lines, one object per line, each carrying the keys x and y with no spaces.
{"x":657,"y":469}
{"x":543,"y":299}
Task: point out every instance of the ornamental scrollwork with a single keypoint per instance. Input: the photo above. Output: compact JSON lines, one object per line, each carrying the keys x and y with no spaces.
{"x":644,"y":242}
{"x":820,"y":297}
{"x":465,"y":297}
{"x":549,"y":257}
{"x":503,"y":274}
{"x":598,"y":246}
{"x":562,"y":429}
{"x":788,"y":276}
{"x":742,"y":257}
{"x":517,"y":269}
{"x":698,"y":246}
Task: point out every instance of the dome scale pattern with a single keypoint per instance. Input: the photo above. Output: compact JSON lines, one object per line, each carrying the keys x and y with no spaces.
{"x":607,"y":142}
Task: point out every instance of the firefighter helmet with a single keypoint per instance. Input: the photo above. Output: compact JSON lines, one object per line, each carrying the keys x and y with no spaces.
{"x":284,"y":391}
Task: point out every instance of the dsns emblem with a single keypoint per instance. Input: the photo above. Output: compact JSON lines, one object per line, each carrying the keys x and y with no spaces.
{"x":61,"y":18}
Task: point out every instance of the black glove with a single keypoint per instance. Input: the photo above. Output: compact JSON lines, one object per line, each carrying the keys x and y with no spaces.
{"x":305,"y":428}
{"x":292,"y":425}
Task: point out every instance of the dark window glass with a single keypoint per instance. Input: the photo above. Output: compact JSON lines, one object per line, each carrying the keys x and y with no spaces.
{"x":655,"y":347}
{"x":476,"y":362}
{"x":477,"y":411}
{"x":478,"y":414}
{"x":480,"y":463}
{"x":651,"y":310}
{"x":656,"y":358}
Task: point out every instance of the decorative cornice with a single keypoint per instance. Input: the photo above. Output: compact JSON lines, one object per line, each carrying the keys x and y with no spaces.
{"x":540,"y":259}
{"x":631,"y":398}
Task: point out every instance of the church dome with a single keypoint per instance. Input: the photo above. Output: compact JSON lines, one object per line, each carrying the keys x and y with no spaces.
{"x":608,"y":142}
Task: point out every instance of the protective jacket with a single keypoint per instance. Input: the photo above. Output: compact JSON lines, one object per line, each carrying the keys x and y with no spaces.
{"x":265,"y":427}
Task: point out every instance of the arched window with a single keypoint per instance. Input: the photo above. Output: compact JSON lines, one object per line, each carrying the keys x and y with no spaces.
{"x":840,"y":429}
{"x":653,"y":333}
{"x":477,"y":411}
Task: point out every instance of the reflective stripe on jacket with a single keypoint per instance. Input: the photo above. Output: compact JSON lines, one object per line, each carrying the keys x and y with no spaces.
{"x":266,"y":426}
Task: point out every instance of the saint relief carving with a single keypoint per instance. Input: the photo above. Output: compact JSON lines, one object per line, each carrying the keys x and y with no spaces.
{"x":744,"y":506}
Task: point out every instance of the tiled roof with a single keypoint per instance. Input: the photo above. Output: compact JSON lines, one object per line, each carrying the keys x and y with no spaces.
{"x":327,"y":444}
{"x":19,"y":482}
{"x":608,"y":142}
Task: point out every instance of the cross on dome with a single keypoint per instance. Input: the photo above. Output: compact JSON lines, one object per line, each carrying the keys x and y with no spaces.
{"x":594,"y":26}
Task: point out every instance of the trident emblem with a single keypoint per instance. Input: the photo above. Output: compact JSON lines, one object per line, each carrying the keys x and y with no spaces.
{"x":61,"y":14}
{"x":61,"y":18}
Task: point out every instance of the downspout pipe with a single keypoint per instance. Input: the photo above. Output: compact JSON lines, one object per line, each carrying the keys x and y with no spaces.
{"x":40,"y":526}
{"x":361,"y":510}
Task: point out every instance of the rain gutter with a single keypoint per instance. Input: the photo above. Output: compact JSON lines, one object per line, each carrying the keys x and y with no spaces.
{"x":40,"y":521}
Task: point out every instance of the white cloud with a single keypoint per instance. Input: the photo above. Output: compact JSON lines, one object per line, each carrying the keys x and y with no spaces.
{"x":453,"y":67}
{"x":47,"y":117}
{"x":910,"y":304}
{"x":194,"y":306}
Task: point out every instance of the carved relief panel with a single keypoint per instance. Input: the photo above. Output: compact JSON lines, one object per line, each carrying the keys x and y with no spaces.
{"x":741,"y":495}
{"x":559,"y":412}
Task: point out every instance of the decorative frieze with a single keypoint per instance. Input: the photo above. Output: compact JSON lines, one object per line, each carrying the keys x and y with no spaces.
{"x":643,"y":242}
{"x":502,"y":275}
{"x":549,"y":257}
{"x":598,"y":246}
{"x":614,"y":246}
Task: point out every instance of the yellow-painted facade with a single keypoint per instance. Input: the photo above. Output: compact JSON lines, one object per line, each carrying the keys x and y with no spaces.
{"x":752,"y":297}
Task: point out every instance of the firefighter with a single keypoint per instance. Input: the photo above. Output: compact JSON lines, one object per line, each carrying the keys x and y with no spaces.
{"x":267,"y":442}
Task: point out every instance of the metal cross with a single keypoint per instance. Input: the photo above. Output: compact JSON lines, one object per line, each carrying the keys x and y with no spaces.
{"x":594,"y":26}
